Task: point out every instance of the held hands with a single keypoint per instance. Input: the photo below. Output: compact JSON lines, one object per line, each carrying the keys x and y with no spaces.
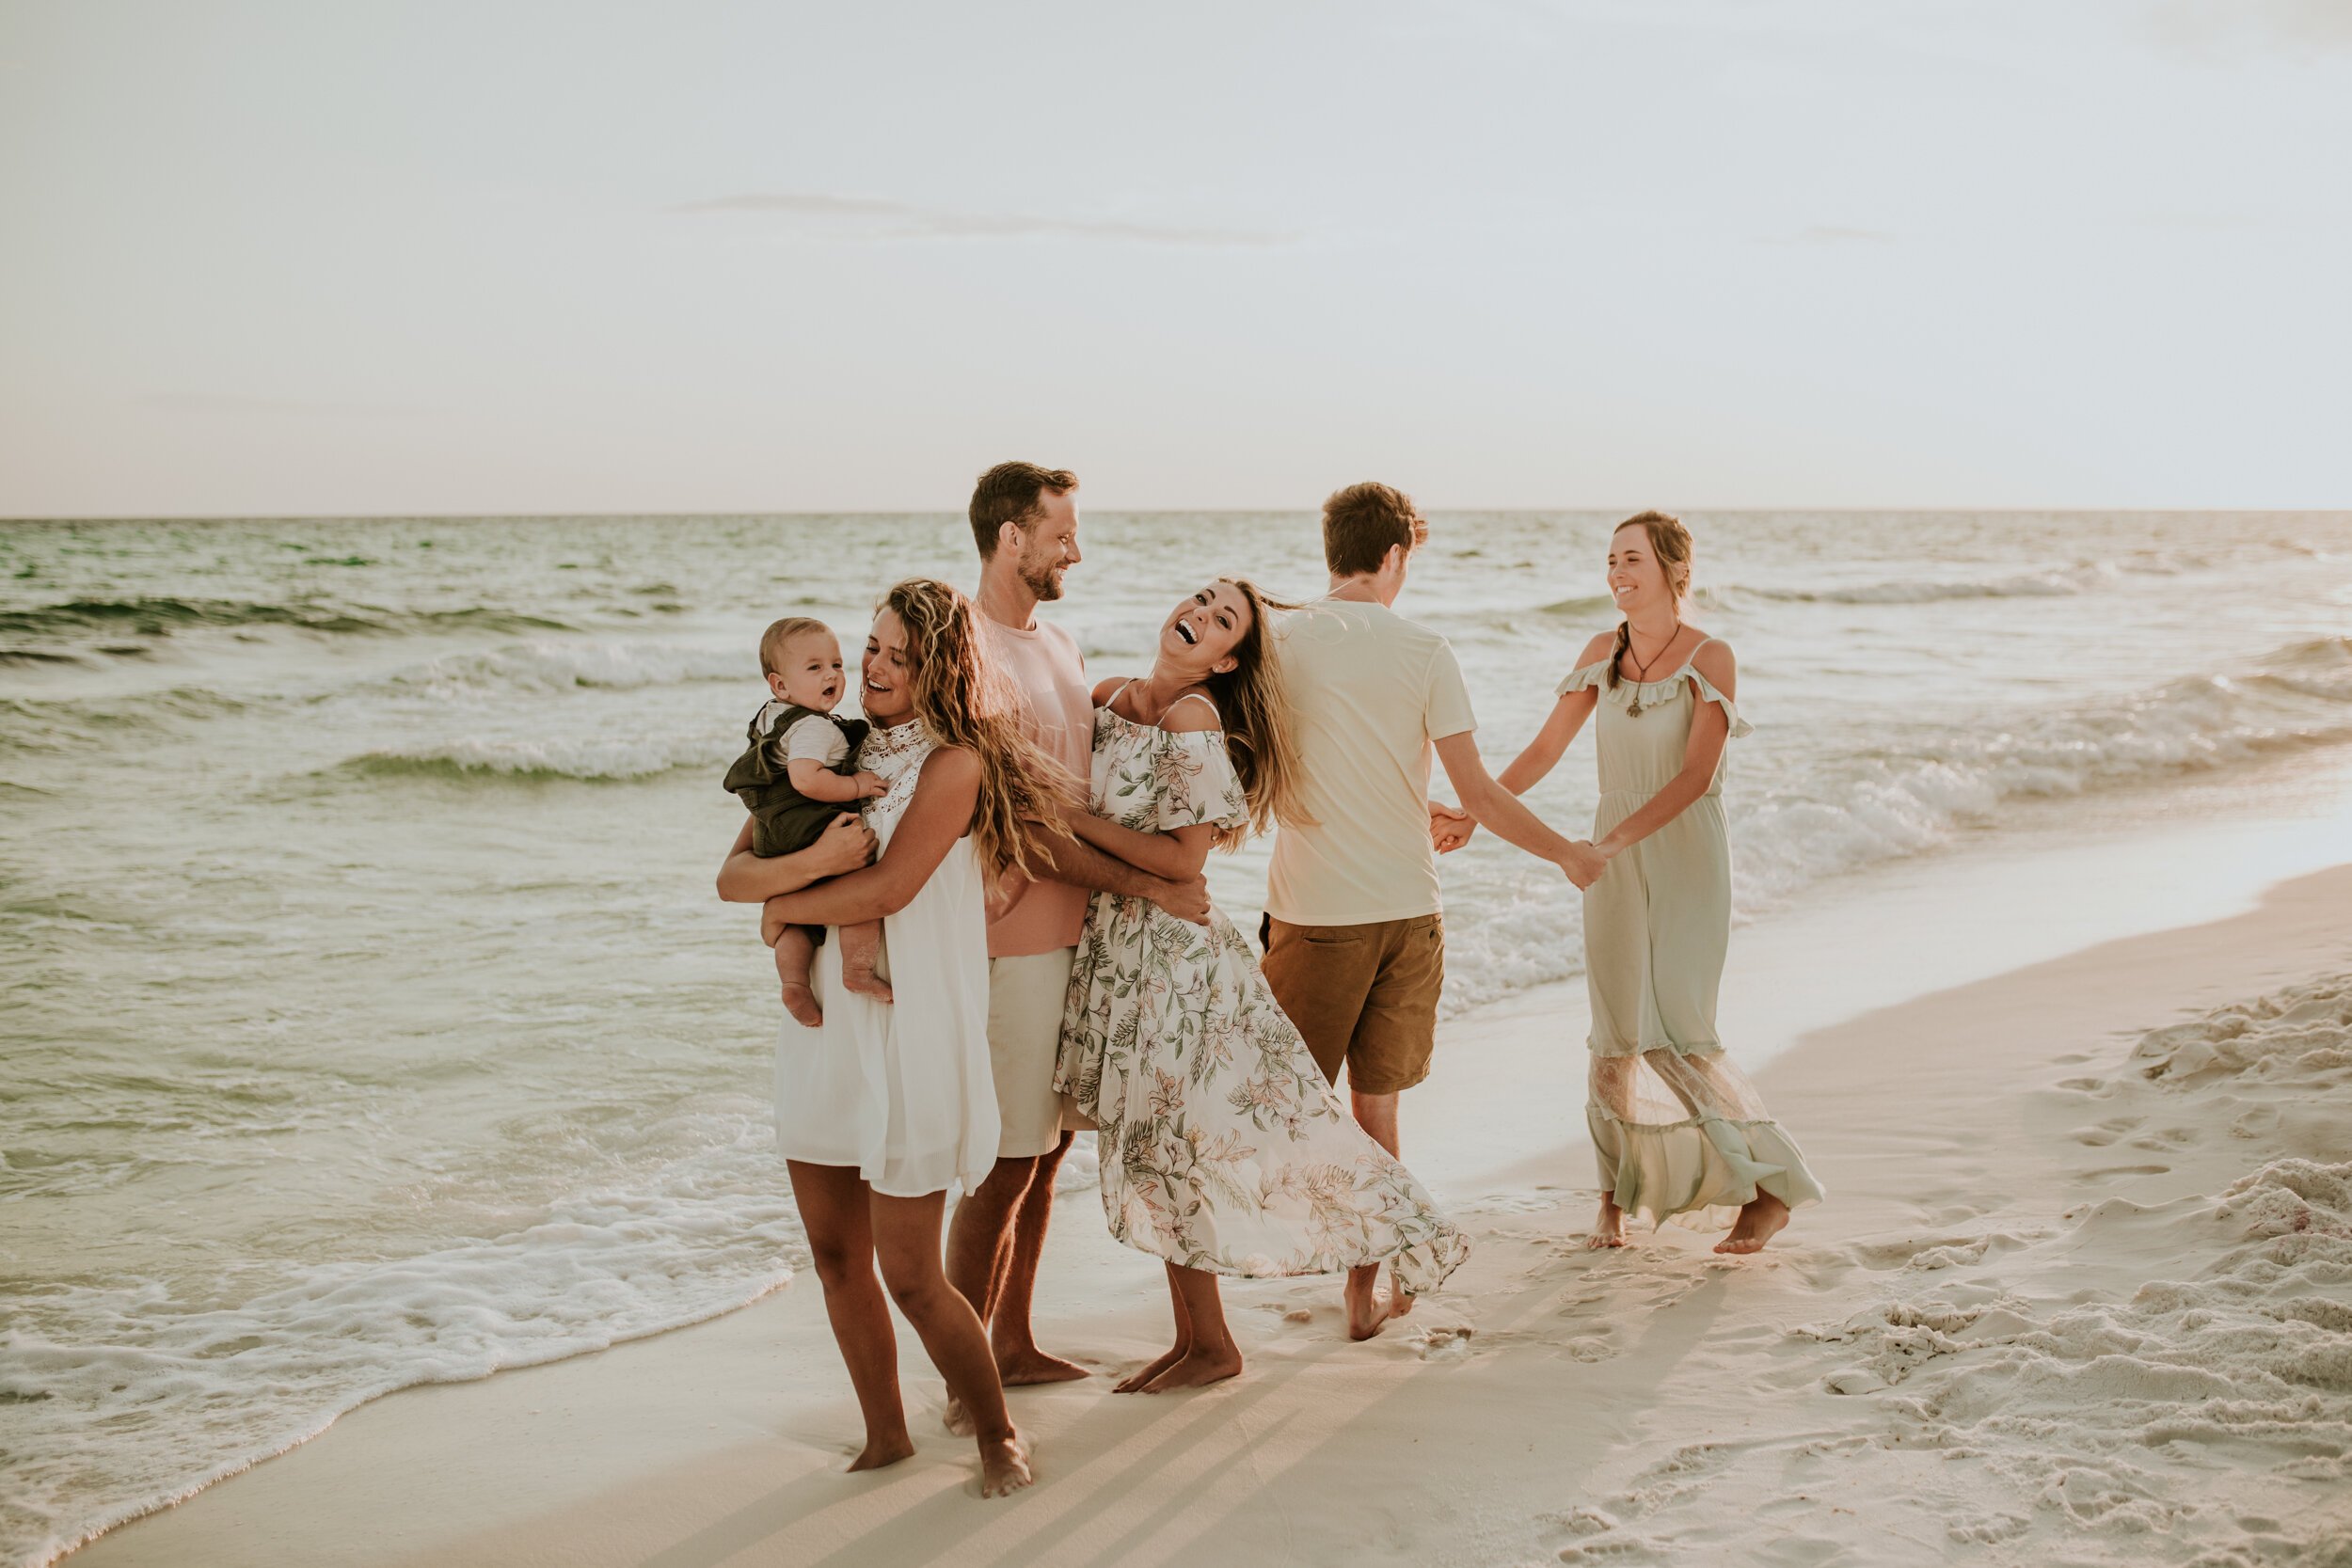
{"x":1450,"y":827}
{"x":1583,"y":864}
{"x":846,"y":845}
{"x":869,"y":785}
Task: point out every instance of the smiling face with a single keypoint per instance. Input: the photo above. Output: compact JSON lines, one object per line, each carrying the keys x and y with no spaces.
{"x":887,"y":671}
{"x":1202,"y":631}
{"x":810,"y":672}
{"x":1637,"y":577}
{"x":1048,"y":544}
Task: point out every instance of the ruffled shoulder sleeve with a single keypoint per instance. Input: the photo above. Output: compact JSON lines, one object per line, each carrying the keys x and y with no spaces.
{"x":1193,"y":782}
{"x":1707,"y":693}
{"x":1592,"y":677}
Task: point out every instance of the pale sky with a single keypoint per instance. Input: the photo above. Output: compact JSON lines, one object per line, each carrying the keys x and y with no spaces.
{"x":331,"y":257}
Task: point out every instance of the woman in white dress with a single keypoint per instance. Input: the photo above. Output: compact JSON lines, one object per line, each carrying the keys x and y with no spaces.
{"x":885,"y":1106}
{"x":1224,"y":1150}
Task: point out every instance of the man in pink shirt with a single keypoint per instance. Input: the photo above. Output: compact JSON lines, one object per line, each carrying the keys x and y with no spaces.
{"x":1025,"y":524}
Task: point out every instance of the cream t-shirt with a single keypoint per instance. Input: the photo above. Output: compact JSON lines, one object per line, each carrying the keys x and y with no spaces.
{"x":1369,"y":692}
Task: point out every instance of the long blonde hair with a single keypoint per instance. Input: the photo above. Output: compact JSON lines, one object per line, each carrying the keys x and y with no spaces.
{"x":1260,"y":738}
{"x":1671,"y":543}
{"x":963,"y":702}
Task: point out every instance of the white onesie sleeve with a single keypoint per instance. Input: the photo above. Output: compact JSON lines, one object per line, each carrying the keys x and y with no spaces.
{"x":816,"y":738}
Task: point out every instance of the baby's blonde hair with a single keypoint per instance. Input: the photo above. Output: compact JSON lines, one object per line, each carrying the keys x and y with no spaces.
{"x":779,"y":636}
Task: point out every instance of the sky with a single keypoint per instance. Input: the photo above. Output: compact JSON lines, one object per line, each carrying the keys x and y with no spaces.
{"x":286,"y":258}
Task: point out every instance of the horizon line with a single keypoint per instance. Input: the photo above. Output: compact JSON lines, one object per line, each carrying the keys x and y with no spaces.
{"x":1776,"y":510}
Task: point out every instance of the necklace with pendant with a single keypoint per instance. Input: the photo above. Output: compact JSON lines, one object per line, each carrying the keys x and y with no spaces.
{"x":1633,"y":710}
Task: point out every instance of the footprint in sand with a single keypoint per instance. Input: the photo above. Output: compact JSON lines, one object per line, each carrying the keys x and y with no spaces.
{"x":2105,"y":1132}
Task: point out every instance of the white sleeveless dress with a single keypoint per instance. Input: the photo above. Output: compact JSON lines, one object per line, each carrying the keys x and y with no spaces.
{"x":900,"y":1090}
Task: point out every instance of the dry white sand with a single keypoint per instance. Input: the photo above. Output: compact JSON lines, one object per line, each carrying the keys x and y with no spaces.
{"x":2082,"y":1293}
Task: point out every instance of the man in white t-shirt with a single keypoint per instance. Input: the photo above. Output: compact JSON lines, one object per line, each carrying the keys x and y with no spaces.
{"x":1355,"y":940}
{"x":1025,"y":521}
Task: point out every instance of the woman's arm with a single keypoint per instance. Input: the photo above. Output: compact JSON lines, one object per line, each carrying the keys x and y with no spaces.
{"x":1543,"y":754}
{"x":940,"y":813}
{"x":1710,"y":727}
{"x":1177,"y":856}
{"x":747,"y":879}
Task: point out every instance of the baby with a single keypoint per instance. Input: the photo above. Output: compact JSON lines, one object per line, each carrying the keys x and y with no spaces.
{"x":795,"y":776}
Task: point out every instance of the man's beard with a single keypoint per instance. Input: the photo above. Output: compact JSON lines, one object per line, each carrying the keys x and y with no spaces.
{"x":1044,"y":583}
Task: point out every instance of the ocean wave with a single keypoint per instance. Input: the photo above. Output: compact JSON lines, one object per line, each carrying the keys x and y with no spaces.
{"x":479,"y":761}
{"x":1920,"y":590}
{"x":553,"y":666}
{"x":160,"y":617}
{"x":146,"y":1399}
{"x":1844,"y":814}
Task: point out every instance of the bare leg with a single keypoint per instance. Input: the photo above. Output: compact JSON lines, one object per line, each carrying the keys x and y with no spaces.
{"x":860,"y":944}
{"x":1366,"y":1309}
{"x":1018,"y":1359}
{"x":906,"y":1239}
{"x":1608,"y":1226}
{"x":979,"y":1250}
{"x":1211,"y":1356}
{"x":1175,"y":1353}
{"x":832,"y":1204}
{"x":1758,"y":1223}
{"x":795,"y":952}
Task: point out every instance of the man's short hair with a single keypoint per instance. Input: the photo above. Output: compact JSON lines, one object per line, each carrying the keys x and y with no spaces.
{"x":1012,"y":493}
{"x":1361,"y":522}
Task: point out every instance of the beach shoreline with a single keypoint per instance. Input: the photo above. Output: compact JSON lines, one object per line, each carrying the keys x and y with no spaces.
{"x":1547,"y":1380}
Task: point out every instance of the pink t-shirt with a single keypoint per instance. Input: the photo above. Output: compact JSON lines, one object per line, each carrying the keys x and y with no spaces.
{"x":1043,"y":664}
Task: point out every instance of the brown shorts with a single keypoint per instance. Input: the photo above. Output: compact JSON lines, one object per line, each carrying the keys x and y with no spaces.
{"x":1366,"y":995}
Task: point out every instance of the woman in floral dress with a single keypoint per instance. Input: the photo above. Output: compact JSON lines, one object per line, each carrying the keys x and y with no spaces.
{"x":1224,"y":1151}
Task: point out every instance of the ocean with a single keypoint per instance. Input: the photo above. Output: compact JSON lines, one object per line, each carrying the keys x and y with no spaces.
{"x":370,"y":1019}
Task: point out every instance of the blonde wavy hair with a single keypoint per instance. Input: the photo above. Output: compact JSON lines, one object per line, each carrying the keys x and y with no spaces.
{"x":960,"y":699}
{"x":1260,"y":738}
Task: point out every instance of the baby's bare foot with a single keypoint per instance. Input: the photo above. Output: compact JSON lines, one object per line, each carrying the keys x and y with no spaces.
{"x":956,"y":1418}
{"x":1004,"y":1467}
{"x":801,"y":1003}
{"x":866,"y":983}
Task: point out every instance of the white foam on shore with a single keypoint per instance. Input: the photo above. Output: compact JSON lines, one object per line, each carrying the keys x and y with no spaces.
{"x":156,"y":1398}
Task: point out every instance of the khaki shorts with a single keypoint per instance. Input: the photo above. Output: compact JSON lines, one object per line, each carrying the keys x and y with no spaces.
{"x":1025,"y":998}
{"x":1365,"y":995}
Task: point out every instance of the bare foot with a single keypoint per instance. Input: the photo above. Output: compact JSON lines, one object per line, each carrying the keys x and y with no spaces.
{"x":1198,"y":1367}
{"x":1004,"y":1467}
{"x":1020,"y":1367}
{"x":1367,"y":1308}
{"x":866,"y":983}
{"x":882,"y":1452}
{"x":956,"y":1418}
{"x":801,"y":1003}
{"x":1608,"y":1226}
{"x":1758,"y":1223}
{"x":1135,"y":1383}
{"x":1399,"y":1303}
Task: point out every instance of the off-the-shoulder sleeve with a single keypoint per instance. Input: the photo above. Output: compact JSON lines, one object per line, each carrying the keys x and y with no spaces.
{"x":1195,"y":782}
{"x":1731,"y":710}
{"x":1591,"y":677}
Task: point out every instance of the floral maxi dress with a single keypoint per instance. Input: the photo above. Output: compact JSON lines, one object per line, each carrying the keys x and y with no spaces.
{"x":1222,"y":1145}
